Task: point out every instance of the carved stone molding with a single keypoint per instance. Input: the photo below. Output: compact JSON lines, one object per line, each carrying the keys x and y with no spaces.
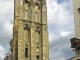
{"x":38,"y":28}
{"x":26,"y":27}
{"x":27,"y":1}
{"x":37,"y":4}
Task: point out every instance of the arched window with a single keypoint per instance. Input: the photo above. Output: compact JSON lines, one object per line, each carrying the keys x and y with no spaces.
{"x":36,"y":16}
{"x":37,"y":56}
{"x":26,"y":12}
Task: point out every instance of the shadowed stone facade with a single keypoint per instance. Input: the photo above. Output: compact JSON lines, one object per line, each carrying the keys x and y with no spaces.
{"x":30,"y":32}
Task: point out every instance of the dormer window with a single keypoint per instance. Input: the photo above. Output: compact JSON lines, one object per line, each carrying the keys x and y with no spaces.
{"x":78,"y":9}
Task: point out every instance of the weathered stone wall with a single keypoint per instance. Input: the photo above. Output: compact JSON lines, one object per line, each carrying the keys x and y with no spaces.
{"x":30,"y":30}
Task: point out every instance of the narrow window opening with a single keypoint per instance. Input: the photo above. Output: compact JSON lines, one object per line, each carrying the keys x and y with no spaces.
{"x":36,"y":16}
{"x":26,"y":12}
{"x":37,"y":56}
{"x":26,"y":52}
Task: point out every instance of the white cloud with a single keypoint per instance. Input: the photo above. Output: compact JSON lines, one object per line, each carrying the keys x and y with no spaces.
{"x":60,"y":20}
{"x":6,"y":11}
{"x":2,"y":52}
{"x":59,"y":14}
{"x":64,"y":34}
{"x":6,"y":17}
{"x":1,"y":48}
{"x":8,"y":28}
{"x":52,"y":37}
{"x":60,"y":48}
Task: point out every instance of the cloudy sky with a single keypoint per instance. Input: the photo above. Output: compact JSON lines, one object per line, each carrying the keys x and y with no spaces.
{"x":60,"y":27}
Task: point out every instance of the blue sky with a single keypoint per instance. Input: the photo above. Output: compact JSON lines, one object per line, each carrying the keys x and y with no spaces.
{"x":60,"y":27}
{"x":60,"y":1}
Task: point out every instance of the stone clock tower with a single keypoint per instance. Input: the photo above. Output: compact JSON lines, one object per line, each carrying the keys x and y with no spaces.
{"x":30,"y":34}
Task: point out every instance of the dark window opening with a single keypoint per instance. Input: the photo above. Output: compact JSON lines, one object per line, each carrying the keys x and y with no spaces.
{"x":37,"y":56}
{"x":26,"y":52}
